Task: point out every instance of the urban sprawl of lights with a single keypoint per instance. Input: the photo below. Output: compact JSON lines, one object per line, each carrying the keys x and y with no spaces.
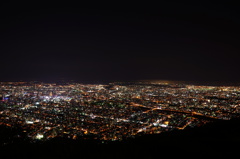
{"x":114,"y":111}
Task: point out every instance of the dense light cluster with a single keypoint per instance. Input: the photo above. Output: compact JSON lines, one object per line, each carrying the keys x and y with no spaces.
{"x":114,"y":111}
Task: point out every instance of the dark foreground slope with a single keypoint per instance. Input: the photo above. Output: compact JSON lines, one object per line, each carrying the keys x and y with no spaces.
{"x":219,"y":139}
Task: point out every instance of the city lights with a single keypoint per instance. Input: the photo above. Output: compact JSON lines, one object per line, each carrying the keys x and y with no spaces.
{"x":115,"y":111}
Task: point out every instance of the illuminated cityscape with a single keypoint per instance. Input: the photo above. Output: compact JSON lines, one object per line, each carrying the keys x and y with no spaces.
{"x":119,"y":80}
{"x":113,"y":111}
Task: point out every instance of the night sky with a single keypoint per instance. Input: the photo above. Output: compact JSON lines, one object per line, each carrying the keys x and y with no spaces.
{"x":168,"y":41}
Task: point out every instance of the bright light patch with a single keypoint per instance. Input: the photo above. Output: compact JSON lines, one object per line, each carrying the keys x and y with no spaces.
{"x":163,"y":125}
{"x":29,"y":122}
{"x":39,"y":136}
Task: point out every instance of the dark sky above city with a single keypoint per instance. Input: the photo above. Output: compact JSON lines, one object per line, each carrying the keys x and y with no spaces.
{"x":169,"y":41}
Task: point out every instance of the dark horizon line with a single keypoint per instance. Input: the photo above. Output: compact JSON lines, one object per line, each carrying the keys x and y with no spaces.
{"x":193,"y":82}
